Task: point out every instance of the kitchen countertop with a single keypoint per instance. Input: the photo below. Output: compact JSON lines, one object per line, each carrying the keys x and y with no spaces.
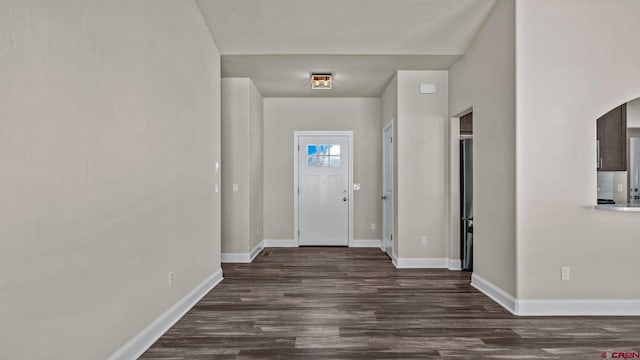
{"x":618,"y":207}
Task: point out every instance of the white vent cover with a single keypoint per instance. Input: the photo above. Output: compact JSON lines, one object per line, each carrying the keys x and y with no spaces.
{"x":427,"y":88}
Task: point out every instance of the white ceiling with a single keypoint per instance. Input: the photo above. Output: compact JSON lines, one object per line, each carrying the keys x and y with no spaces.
{"x":334,"y":36}
{"x":353,"y":75}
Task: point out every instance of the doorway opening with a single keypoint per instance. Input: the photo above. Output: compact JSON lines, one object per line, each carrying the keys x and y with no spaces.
{"x":387,"y":189}
{"x":323,"y":191}
{"x":466,"y":191}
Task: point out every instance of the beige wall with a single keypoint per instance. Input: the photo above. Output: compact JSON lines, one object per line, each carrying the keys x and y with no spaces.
{"x":422,"y":179}
{"x":283,"y":116}
{"x":242,"y":162}
{"x":389,"y":112}
{"x":484,"y":79}
{"x":633,"y":113}
{"x":256,"y":180}
{"x":109,"y":131}
{"x":571,"y":70}
{"x":235,"y":155}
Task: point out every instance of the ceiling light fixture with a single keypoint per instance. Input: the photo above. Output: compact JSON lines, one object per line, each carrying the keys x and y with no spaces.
{"x":321,"y":82}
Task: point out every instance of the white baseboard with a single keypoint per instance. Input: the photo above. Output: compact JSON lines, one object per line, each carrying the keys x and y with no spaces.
{"x":242,"y":257}
{"x":578,"y":307}
{"x":455,"y":264}
{"x":256,"y":250}
{"x":495,"y":293}
{"x":394,"y":260}
{"x":280,"y":243}
{"x":235,"y":257}
{"x":365,"y":243}
{"x":149,"y":335}
{"x":421,"y":263}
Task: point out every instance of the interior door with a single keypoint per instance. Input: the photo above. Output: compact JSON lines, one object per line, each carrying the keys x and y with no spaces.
{"x":323,"y":181}
{"x":387,"y":190}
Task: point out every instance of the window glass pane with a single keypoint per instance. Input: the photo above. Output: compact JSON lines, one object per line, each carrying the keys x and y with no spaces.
{"x":335,"y":150}
{"x":312,"y":149}
{"x":324,"y":149}
{"x":335,"y":161}
{"x":312,"y":161}
{"x":323,"y":161}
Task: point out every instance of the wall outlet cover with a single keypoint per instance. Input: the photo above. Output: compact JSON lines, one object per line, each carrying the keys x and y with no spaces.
{"x":356,"y":186}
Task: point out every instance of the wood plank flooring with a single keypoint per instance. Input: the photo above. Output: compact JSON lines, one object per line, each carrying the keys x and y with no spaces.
{"x":351,"y":303}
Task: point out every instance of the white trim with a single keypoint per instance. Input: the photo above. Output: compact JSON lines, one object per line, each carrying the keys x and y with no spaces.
{"x":455,"y":264}
{"x":556,"y":307}
{"x":421,"y":263}
{"x":242,"y":257}
{"x":394,"y":259}
{"x":498,"y":295}
{"x":256,"y":250}
{"x":578,"y":307}
{"x":280,"y":243}
{"x":235,"y":258}
{"x":366,"y":243}
{"x":135,"y":347}
{"x":296,"y":143}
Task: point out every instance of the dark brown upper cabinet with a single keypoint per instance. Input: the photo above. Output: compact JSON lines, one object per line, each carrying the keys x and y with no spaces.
{"x":612,"y":140}
{"x":466,"y":124}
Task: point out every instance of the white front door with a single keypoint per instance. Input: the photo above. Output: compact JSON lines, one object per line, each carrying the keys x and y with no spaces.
{"x":387,"y":190}
{"x":324,"y":192}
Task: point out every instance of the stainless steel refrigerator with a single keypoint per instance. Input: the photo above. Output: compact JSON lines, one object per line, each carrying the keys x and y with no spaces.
{"x":466,"y":204}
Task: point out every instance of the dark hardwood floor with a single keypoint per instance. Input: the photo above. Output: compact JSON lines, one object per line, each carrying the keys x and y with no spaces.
{"x":350,"y":303}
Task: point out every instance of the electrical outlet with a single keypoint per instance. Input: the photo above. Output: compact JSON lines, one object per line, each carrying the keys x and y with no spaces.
{"x":566,"y":273}
{"x":373,"y":226}
{"x":356,"y":187}
{"x":235,"y":187}
{"x":423,"y":241}
{"x":172,"y":278}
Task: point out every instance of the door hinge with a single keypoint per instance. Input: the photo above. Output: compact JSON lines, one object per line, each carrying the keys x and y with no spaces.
{"x":391,"y":139}
{"x":298,"y":191}
{"x":298,"y":147}
{"x":298,"y":233}
{"x":391,"y":237}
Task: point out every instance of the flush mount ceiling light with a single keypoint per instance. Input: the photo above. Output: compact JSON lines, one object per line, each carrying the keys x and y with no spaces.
{"x":321,"y":82}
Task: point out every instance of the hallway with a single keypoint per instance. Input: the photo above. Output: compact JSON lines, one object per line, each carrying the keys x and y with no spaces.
{"x":348,"y":303}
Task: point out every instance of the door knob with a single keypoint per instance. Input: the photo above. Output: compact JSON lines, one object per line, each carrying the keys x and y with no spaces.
{"x":384,"y":197}
{"x":344,"y":199}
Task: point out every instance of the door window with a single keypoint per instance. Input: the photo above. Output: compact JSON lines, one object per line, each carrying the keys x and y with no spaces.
{"x":323,"y":155}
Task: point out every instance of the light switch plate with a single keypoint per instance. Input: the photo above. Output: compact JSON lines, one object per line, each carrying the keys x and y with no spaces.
{"x":356,"y":186}
{"x":235,"y":187}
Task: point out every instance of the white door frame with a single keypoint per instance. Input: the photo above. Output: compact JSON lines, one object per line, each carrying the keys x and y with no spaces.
{"x":296,"y":152}
{"x":384,"y":186}
{"x":454,"y":190}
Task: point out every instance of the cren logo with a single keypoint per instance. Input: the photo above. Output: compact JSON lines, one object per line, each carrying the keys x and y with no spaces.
{"x":620,"y":355}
